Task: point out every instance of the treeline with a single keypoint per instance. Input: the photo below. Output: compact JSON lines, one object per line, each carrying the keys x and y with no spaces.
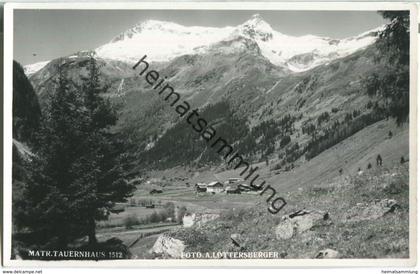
{"x":168,"y":213}
{"x":181,"y":144}
{"x":261,"y":140}
{"x":337,"y":132}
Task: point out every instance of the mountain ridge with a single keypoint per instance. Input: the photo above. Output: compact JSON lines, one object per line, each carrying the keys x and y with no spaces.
{"x":163,"y":41}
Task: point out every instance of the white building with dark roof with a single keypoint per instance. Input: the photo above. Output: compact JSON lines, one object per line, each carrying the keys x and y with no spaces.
{"x":215,"y":187}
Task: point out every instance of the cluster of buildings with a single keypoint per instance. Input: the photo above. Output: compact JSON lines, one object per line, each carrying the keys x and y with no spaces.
{"x":230,"y":186}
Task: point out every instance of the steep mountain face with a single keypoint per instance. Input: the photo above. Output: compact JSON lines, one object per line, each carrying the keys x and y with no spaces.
{"x":277,"y":115}
{"x":75,"y":67}
{"x":26,"y":109}
{"x":26,"y":123}
{"x":233,"y":71}
{"x":275,"y":94}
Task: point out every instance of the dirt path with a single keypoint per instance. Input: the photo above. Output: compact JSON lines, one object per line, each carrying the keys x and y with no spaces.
{"x":149,"y":231}
{"x":139,"y":241}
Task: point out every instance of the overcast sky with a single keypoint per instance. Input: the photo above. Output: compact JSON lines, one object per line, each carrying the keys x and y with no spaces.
{"x":41,"y":35}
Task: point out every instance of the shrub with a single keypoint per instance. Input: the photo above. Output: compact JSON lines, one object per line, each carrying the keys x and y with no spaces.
{"x":293,"y":153}
{"x":131,"y":221}
{"x":133,"y":202}
{"x":308,"y":128}
{"x":155,"y":217}
{"x":181,"y":212}
{"x":169,"y":210}
{"x":348,"y":117}
{"x":395,"y":187}
{"x":284,"y":141}
{"x":371,"y":84}
{"x":356,"y":113}
{"x":276,"y":167}
{"x":324,"y":117}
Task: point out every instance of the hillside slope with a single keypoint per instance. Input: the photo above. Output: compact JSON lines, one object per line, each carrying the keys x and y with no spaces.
{"x":355,"y":152}
{"x":367,"y":211}
{"x":367,"y":218}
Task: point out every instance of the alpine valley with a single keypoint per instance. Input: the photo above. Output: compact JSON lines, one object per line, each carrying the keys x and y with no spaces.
{"x":248,"y":78}
{"x":306,"y":110}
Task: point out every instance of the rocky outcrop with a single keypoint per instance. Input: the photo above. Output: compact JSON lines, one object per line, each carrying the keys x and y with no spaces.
{"x":198,"y":219}
{"x":371,"y":211}
{"x":327,"y":254}
{"x":299,"y":222}
{"x":26,"y":109}
{"x":236,"y":240}
{"x":168,"y":247}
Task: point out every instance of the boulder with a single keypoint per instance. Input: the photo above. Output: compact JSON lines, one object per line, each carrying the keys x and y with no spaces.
{"x":198,"y":219}
{"x":285,"y":229}
{"x":327,"y":254}
{"x":188,"y":220}
{"x":299,"y":222}
{"x":168,"y":247}
{"x":313,"y":238}
{"x":305,"y":220}
{"x":236,"y":240}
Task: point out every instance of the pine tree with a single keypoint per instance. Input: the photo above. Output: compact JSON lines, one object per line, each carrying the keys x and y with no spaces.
{"x":394,"y":43}
{"x":77,"y":175}
{"x":48,"y":194}
{"x":101,"y":183}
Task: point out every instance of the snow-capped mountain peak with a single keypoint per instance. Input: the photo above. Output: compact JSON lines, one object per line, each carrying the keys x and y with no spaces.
{"x":162,"y":41}
{"x":149,"y":26}
{"x":257,"y":23}
{"x":256,"y":28}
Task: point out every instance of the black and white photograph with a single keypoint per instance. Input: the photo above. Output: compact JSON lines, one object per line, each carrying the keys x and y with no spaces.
{"x":227,"y":134}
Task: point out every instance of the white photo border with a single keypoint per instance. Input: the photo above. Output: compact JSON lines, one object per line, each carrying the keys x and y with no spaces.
{"x":269,"y":263}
